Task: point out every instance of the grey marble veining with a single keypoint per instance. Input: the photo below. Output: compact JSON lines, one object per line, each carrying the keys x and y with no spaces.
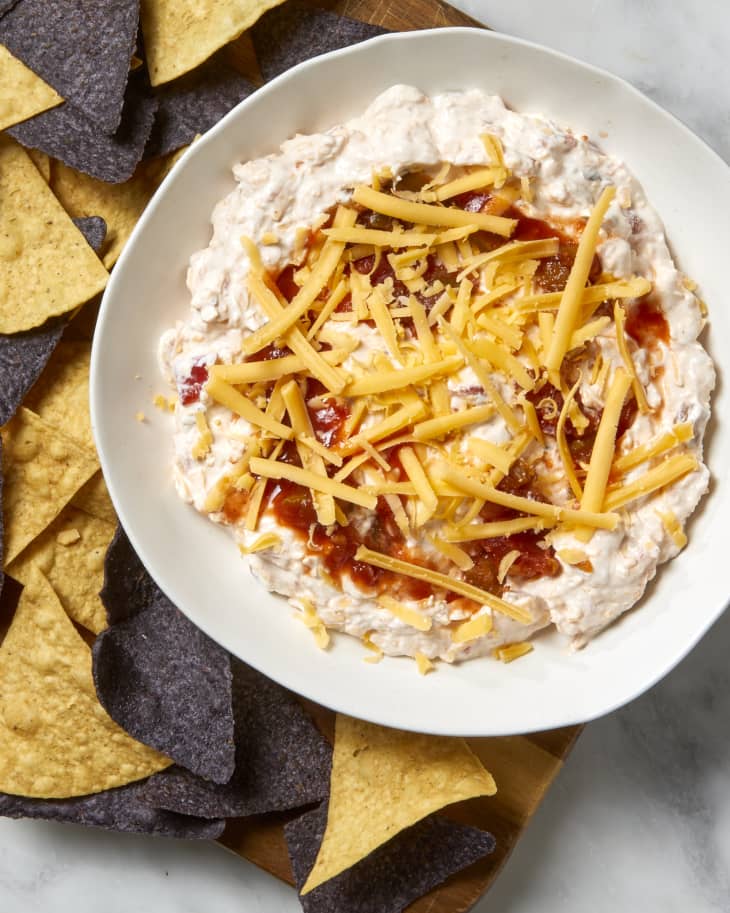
{"x":639,"y":819}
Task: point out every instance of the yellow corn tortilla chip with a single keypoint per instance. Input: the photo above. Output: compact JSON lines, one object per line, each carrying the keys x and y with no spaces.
{"x":46,"y":266}
{"x":93,"y":498}
{"x":383,"y":781}
{"x":180,"y":34}
{"x":22,"y":93}
{"x":44,"y":468}
{"x":120,"y":205}
{"x":70,"y":553}
{"x":56,"y":740}
{"x":61,"y":394}
{"x":42,"y":163}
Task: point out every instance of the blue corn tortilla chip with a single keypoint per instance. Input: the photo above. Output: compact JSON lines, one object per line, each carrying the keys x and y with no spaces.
{"x":160,"y":678}
{"x":193,"y":104}
{"x":121,"y":809}
{"x":128,"y":588}
{"x":93,"y":228}
{"x":22,"y":358}
{"x":282,"y":760}
{"x":293,"y":32}
{"x":6,"y":5}
{"x":393,"y":876}
{"x":82,"y":48}
{"x":66,"y":133}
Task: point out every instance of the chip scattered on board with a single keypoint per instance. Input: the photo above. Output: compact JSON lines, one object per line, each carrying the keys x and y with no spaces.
{"x":61,"y":394}
{"x":55,"y":739}
{"x":193,"y":103}
{"x":282,"y":760}
{"x":168,"y":685}
{"x":22,"y":93}
{"x":385,"y":780}
{"x":295,"y":32}
{"x":180,"y":34}
{"x":121,"y":809}
{"x":393,"y":875}
{"x":82,"y":50}
{"x":44,"y":468}
{"x":120,"y":205}
{"x":75,"y":569}
{"x":66,"y":133}
{"x":46,"y":266}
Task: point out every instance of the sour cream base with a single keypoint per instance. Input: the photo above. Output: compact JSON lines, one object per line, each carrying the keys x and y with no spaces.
{"x":278,"y":196}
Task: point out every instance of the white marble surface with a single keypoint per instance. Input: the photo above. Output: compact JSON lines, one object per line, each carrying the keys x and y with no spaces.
{"x":639,"y":820}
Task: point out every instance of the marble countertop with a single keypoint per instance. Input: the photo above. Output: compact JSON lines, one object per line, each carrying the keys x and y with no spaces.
{"x":639,"y":819}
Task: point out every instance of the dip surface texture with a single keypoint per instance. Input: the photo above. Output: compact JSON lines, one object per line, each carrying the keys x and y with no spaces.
{"x":559,"y":574}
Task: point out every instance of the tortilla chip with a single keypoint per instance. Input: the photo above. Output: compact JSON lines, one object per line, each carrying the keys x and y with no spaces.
{"x":180,"y":34}
{"x":120,"y":205}
{"x":81,"y":49}
{"x":22,"y":358}
{"x":193,"y":104}
{"x":122,"y":809}
{"x":22,"y":93}
{"x":55,"y":739}
{"x":61,"y":394}
{"x":295,"y":32}
{"x":70,"y":553}
{"x":128,"y":588}
{"x":93,"y":498}
{"x":44,"y":468}
{"x":93,"y":228}
{"x":6,"y":5}
{"x":67,"y":134}
{"x":282,"y":760}
{"x":169,"y":685}
{"x":392,"y":876}
{"x":383,"y":781}
{"x":42,"y":163}
{"x":46,"y":266}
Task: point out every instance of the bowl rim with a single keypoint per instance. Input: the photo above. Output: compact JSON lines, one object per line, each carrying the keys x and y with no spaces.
{"x":197,"y":148}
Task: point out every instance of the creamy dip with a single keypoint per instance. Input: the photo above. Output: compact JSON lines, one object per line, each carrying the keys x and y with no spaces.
{"x":279,"y":198}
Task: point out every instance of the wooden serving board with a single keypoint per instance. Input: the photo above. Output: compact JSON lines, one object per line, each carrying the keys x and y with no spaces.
{"x":523,"y":767}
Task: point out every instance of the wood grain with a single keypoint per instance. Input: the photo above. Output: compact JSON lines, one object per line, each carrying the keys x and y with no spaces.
{"x":524,"y":767}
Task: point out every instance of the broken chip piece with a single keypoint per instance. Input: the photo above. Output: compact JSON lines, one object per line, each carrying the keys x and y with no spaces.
{"x":44,"y":468}
{"x":66,"y":133}
{"x":394,"y":874}
{"x":193,"y":104}
{"x":41,"y":248}
{"x":180,"y":34}
{"x":163,"y":680}
{"x":82,"y":50}
{"x":55,"y":739}
{"x":282,"y":760}
{"x":120,"y":809}
{"x":294,"y":32}
{"x":23,"y":94}
{"x":383,"y":781}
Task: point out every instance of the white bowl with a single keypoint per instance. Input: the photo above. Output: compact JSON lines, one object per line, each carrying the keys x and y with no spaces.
{"x":197,"y":564}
